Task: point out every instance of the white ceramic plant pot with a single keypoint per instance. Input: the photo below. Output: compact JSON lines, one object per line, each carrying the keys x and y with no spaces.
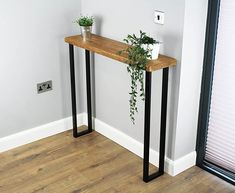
{"x":154,"y":50}
{"x":86,"y":32}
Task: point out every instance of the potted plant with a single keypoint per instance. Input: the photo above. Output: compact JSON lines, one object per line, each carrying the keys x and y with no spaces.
{"x":85,"y":22}
{"x":139,"y":51}
{"x":148,"y":43}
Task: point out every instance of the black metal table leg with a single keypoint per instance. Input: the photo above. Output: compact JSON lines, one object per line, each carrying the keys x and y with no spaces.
{"x":146,"y":176}
{"x":163,"y":120}
{"x":73,"y":89}
{"x":88,"y":84}
{"x":73,"y":93}
{"x":148,"y":81}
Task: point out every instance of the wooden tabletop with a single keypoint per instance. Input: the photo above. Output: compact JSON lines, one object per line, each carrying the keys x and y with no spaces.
{"x":109,"y":48}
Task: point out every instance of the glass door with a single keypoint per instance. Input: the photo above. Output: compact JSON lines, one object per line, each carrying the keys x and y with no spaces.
{"x":216,"y":128}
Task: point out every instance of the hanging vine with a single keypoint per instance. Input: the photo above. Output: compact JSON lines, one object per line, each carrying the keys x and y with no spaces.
{"x":137,"y":60}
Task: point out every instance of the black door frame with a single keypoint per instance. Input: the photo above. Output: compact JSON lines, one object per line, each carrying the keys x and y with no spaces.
{"x":206,"y":89}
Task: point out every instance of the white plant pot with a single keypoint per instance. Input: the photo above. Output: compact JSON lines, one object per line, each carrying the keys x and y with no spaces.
{"x":154,"y":50}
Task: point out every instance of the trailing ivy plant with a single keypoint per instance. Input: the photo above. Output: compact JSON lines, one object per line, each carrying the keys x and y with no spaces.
{"x":137,"y":60}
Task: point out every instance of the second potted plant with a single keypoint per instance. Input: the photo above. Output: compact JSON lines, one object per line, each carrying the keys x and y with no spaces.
{"x":85,"y":22}
{"x":140,"y":50}
{"x":150,"y":44}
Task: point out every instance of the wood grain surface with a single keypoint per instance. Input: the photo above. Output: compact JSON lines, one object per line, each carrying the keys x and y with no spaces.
{"x":109,"y":48}
{"x":91,"y":164}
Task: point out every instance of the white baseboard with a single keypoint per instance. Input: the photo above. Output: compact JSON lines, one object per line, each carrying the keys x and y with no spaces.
{"x":171,"y":167}
{"x":34,"y":134}
{"x":184,"y":163}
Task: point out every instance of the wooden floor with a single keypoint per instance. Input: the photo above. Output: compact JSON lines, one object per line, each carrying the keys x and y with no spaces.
{"x":91,"y":164}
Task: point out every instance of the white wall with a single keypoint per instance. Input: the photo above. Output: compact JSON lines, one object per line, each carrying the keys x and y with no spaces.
{"x":32,"y":50}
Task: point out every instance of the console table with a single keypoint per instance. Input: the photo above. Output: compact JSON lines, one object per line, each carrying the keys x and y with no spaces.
{"x":109,"y":48}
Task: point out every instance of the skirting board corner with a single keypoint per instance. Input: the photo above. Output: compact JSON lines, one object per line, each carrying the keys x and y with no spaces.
{"x":172,"y":167}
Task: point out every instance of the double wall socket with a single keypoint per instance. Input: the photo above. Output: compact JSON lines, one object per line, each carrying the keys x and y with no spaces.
{"x":44,"y":86}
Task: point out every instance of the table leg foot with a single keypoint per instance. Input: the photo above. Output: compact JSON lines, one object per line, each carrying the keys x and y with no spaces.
{"x":73,"y":93}
{"x":146,"y":176}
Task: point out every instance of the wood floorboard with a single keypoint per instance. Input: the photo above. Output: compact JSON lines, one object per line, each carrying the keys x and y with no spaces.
{"x":91,"y":164}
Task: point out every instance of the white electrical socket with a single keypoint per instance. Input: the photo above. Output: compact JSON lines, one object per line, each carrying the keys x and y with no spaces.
{"x":159,"y":17}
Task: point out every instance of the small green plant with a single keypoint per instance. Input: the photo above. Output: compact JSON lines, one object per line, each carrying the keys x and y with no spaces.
{"x":137,"y":60}
{"x":147,"y":40}
{"x":85,"y":21}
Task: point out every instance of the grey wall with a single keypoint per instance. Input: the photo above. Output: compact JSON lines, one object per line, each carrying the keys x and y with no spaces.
{"x":116,"y":19}
{"x":31,"y":51}
{"x":190,"y":77}
{"x":183,"y":37}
